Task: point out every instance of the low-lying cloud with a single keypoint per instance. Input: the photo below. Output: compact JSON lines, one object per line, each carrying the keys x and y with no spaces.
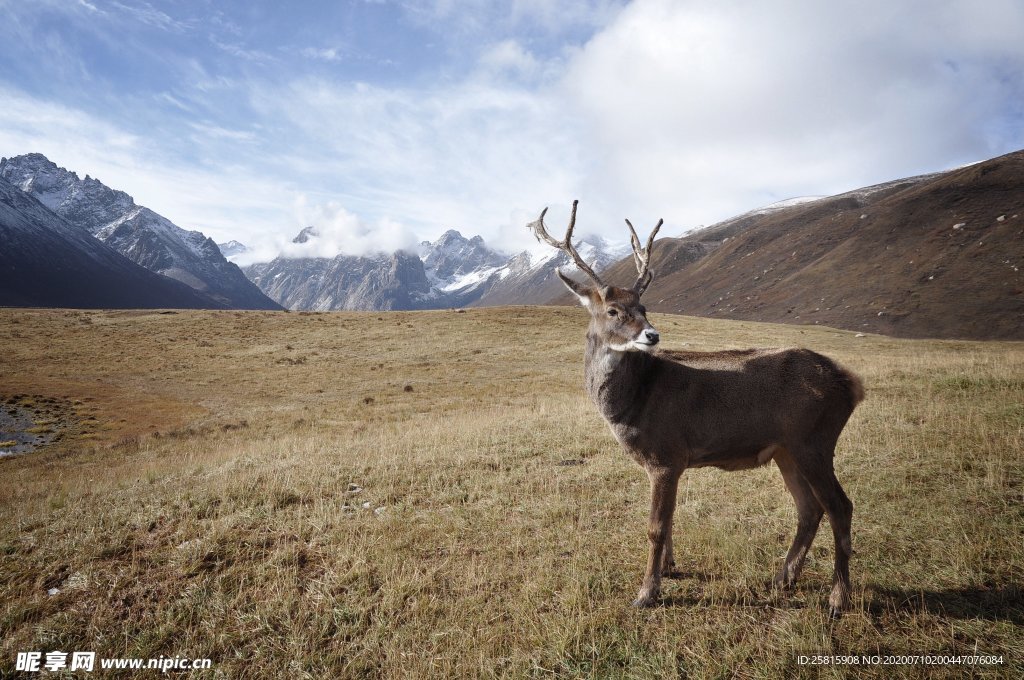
{"x":334,"y":231}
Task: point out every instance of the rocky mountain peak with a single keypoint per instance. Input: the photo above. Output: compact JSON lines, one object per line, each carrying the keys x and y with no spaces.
{"x":232,"y":248}
{"x":306,"y":234}
{"x":454,"y":255}
{"x":86,"y":203}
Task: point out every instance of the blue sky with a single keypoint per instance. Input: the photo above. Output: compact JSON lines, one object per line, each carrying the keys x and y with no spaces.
{"x":384,"y":123}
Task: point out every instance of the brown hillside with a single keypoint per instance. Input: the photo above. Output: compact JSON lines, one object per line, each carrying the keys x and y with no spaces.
{"x":932,"y":256}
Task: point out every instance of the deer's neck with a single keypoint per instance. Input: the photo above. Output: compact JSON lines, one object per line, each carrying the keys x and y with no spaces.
{"x":616,"y":381}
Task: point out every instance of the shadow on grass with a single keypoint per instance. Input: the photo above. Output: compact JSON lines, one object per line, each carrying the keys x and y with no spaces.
{"x":998,"y":603}
{"x":677,"y":573}
{"x":764,"y":595}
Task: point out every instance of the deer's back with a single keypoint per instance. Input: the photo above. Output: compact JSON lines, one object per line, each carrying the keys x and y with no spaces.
{"x":738,"y":403}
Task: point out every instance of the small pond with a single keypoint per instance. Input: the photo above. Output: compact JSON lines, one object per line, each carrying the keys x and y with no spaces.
{"x":22,"y":430}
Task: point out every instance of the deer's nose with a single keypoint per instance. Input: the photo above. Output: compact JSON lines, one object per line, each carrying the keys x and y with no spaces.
{"x":652,"y":336}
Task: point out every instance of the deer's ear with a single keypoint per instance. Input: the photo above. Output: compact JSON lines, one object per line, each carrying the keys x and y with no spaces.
{"x":581,"y":291}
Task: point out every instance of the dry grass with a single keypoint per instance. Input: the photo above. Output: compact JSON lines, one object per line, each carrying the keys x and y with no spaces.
{"x":430,"y":495}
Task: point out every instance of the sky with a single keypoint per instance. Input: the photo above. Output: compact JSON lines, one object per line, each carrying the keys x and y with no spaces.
{"x":384,"y":123}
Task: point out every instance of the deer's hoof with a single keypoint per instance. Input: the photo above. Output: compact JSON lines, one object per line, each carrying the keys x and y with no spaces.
{"x":783,"y":584}
{"x":645,"y":602}
{"x":838,"y":602}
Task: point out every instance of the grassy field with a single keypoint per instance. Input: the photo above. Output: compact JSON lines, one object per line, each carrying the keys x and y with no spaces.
{"x":430,"y":494}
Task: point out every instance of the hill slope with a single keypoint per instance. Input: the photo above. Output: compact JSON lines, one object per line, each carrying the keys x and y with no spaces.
{"x":932,"y":256}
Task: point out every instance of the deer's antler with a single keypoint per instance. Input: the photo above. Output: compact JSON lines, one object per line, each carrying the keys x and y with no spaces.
{"x":565,"y":245}
{"x":642,"y":257}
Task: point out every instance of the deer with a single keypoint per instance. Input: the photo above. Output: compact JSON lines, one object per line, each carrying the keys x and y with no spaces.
{"x":734,"y":410}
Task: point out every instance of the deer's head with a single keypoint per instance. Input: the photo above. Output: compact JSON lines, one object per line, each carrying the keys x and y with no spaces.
{"x":617,"y":316}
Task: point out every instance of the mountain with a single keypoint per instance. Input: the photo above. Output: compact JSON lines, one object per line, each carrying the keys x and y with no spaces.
{"x":446,"y":273}
{"x":232,"y":248}
{"x":528,"y":279}
{"x":460,"y":270}
{"x":937,"y":255}
{"x":453,"y":257}
{"x":381,"y":282}
{"x":136,"y":232}
{"x":453,"y":271}
{"x":46,"y":261}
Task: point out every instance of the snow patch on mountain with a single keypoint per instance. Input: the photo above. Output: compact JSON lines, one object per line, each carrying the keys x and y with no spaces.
{"x":232,"y":248}
{"x":469,"y":279}
{"x":785,"y":203}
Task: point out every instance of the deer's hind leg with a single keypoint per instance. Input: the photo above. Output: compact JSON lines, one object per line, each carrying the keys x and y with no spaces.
{"x":821,"y":477}
{"x":808,"y":512}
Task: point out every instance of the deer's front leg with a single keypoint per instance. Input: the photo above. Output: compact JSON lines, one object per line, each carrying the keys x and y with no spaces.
{"x":659,"y":533}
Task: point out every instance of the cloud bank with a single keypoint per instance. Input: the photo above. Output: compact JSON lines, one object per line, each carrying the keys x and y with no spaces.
{"x":336,"y":231}
{"x":693,"y":112}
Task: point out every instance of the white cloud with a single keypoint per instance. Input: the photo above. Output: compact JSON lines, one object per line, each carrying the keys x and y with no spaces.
{"x":450,"y":157}
{"x":689,"y":111}
{"x":222,"y":200}
{"x":240,"y":52}
{"x":508,"y":58}
{"x":692,"y":112}
{"x":703,"y":109}
{"x":337,"y":231}
{"x":216,"y":132}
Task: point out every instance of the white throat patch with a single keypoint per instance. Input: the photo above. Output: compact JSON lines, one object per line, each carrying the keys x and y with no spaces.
{"x":636,"y":344}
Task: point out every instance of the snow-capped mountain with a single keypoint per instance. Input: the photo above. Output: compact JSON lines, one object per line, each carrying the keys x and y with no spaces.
{"x":136,"y":232}
{"x":46,"y":261}
{"x":452,"y":257}
{"x":453,"y":271}
{"x":85,"y":203}
{"x":380,"y":282}
{"x":528,"y":278}
{"x":467,"y":272}
{"x":460,"y":270}
{"x":232,"y":248}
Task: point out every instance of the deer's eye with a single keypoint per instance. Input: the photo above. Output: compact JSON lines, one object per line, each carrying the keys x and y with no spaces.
{"x":613,"y":312}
